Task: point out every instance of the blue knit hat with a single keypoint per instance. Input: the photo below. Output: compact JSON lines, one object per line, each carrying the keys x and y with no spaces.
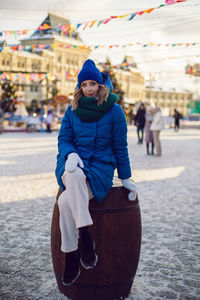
{"x":89,"y":71}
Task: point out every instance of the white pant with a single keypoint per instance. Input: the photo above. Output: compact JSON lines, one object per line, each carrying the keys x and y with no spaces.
{"x":73,"y":206}
{"x":156,"y":139}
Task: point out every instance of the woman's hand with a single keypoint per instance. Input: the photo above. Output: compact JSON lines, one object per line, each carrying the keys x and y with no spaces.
{"x":72,"y":162}
{"x":130,"y":185}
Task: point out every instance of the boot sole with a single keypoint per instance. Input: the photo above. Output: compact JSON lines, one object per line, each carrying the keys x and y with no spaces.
{"x":70,"y":283}
{"x":89,"y":266}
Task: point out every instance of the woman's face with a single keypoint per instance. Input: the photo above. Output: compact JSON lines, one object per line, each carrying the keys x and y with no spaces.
{"x":89,"y":88}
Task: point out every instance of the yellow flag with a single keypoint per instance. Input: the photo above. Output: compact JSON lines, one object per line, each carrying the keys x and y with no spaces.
{"x":46,"y":26}
{"x":71,"y":29}
{"x":92,"y":23}
{"x":124,"y":16}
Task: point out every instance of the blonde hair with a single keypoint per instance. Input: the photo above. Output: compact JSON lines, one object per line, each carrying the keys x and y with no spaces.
{"x":101,"y":96}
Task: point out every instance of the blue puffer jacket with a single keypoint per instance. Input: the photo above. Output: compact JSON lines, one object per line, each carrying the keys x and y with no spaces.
{"x":101,"y":145}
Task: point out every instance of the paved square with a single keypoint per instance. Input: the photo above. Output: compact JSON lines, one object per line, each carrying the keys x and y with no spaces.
{"x":169,"y":194}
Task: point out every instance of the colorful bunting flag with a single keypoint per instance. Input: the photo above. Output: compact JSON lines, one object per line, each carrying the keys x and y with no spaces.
{"x":131,"y":17}
{"x":148,"y":11}
{"x":169,"y":2}
{"x":46,"y":26}
{"x":107,"y":20}
{"x":85,"y":25}
{"x":92,"y":23}
{"x":78,"y":25}
{"x":99,"y":23}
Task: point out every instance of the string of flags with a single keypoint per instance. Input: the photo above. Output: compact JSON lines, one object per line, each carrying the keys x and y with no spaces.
{"x":70,"y":76}
{"x":193,"y":70}
{"x":38,"y":48}
{"x":69,"y":28}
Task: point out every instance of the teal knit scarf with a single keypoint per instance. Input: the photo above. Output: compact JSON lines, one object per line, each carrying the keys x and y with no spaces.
{"x":88,"y":109}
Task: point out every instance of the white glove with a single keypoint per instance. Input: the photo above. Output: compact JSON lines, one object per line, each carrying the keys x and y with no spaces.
{"x":130,"y":185}
{"x":72,"y":162}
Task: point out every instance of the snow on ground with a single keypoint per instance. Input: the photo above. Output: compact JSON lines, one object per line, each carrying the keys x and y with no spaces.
{"x":168,"y":188}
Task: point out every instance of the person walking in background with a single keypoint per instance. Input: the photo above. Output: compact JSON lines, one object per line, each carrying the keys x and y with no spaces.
{"x":156,"y":126}
{"x":92,"y":142}
{"x":1,"y":120}
{"x":148,"y":131}
{"x":130,"y":116}
{"x":140,"y":122}
{"x":49,"y":120}
{"x":177,"y":117}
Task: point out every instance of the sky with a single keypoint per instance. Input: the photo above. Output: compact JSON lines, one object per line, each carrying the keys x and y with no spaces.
{"x":178,"y":23}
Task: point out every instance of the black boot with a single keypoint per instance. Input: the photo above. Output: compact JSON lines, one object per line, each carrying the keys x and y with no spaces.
{"x":148,"y":149}
{"x":87,"y":254}
{"x":152,"y":148}
{"x":72,"y":267}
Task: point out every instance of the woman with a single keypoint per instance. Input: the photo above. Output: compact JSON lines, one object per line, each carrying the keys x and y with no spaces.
{"x":156,"y":126}
{"x":148,"y":131}
{"x":140,"y":122}
{"x":92,"y":142}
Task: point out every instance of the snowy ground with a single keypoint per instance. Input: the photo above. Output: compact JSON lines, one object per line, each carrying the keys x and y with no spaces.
{"x":169,"y":193}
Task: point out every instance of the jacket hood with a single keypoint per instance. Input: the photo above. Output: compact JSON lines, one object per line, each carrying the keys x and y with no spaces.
{"x":106,"y":81}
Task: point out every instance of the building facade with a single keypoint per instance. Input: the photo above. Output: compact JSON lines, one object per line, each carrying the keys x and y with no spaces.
{"x":45,"y":70}
{"x":168,"y":100}
{"x":131,"y":80}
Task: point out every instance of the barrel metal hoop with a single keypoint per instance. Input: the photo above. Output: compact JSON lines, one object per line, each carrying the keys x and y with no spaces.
{"x":80,"y":285}
{"x":113,"y":210}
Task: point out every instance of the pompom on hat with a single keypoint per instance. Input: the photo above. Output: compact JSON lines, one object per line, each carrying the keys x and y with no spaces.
{"x":89,"y":71}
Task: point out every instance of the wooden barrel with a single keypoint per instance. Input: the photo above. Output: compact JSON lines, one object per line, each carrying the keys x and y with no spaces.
{"x":117,"y":234}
